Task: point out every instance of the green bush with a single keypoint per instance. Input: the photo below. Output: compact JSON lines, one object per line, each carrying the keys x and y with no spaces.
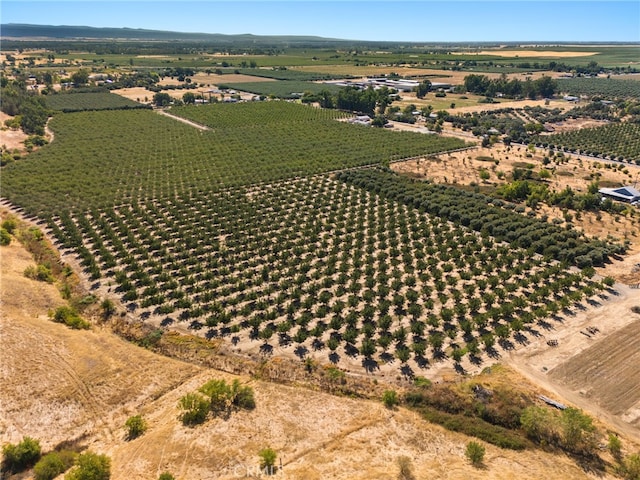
{"x":41,"y":273}
{"x":10,"y":224}
{"x":630,"y":468}
{"x":195,"y":408}
{"x":90,"y":466}
{"x":5,"y":237}
{"x":478,"y":428}
{"x":166,"y":476}
{"x":70,"y":318}
{"x":53,"y":464}
{"x":135,"y":427}
{"x":268,"y":460}
{"x":20,"y":456}
{"x":475,"y":453}
{"x":224,"y":397}
{"x":390,"y":398}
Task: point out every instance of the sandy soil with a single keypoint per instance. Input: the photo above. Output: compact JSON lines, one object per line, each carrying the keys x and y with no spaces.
{"x":82,"y":385}
{"x":10,"y":139}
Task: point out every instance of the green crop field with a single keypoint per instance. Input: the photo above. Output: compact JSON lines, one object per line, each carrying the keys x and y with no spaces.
{"x":109,"y":157}
{"x":607,"y":88}
{"x":75,"y":102}
{"x":281,"y":88}
{"x":620,"y":141}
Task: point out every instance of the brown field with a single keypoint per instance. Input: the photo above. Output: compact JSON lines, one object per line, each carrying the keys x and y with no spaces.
{"x":607,"y":372}
{"x":211,"y":80}
{"x":532,"y":53}
{"x":80,"y":386}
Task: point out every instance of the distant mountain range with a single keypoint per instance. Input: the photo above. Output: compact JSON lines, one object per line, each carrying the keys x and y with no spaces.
{"x":67,"y":32}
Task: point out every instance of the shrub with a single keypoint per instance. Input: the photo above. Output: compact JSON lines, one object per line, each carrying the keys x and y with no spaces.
{"x":615,"y":446}
{"x":5,"y":237}
{"x":390,"y":398}
{"x":20,"y":456}
{"x":224,"y":397}
{"x":406,"y":470}
{"x":195,"y":408}
{"x":90,"y":466}
{"x":268,"y":460}
{"x":135,"y":427}
{"x":53,"y":464}
{"x":630,"y":469}
{"x":475,"y":453}
{"x":70,"y":317}
{"x":10,"y":224}
{"x":108,"y":307}
{"x":41,"y":273}
{"x":166,"y":476}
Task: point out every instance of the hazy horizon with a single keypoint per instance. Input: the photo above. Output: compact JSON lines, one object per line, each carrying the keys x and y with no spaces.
{"x":541,"y":21}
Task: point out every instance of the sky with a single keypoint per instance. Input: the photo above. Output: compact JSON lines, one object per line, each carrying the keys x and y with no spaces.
{"x":389,"y":20}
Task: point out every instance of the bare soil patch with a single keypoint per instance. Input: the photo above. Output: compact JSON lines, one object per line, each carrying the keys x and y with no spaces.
{"x":607,"y":372}
{"x":11,"y":139}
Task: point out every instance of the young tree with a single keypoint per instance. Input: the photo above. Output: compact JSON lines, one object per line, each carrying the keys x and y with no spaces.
{"x":268,"y":460}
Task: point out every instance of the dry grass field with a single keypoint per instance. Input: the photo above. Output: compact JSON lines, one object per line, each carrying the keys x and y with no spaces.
{"x":62,"y":385}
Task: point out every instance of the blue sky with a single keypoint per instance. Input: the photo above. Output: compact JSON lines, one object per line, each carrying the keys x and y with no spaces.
{"x":390,"y":20}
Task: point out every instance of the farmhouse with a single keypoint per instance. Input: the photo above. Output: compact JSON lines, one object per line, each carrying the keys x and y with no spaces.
{"x":623,"y":194}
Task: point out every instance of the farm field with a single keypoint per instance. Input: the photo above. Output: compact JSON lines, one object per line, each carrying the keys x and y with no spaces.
{"x":606,"y":373}
{"x":464,"y":169}
{"x":616,"y":141}
{"x":243,"y":147}
{"x":301,"y":254}
{"x":218,"y":233}
{"x":280,"y":88}
{"x":88,"y":397}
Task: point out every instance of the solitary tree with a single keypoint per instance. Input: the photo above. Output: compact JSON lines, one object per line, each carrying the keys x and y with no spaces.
{"x":161,"y":99}
{"x":268,"y":460}
{"x":423,"y":88}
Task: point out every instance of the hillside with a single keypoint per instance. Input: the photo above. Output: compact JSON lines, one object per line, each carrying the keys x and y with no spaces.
{"x":79,"y":386}
{"x":26,"y":31}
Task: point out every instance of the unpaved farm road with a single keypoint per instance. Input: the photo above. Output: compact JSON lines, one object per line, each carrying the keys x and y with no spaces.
{"x":199,"y":126}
